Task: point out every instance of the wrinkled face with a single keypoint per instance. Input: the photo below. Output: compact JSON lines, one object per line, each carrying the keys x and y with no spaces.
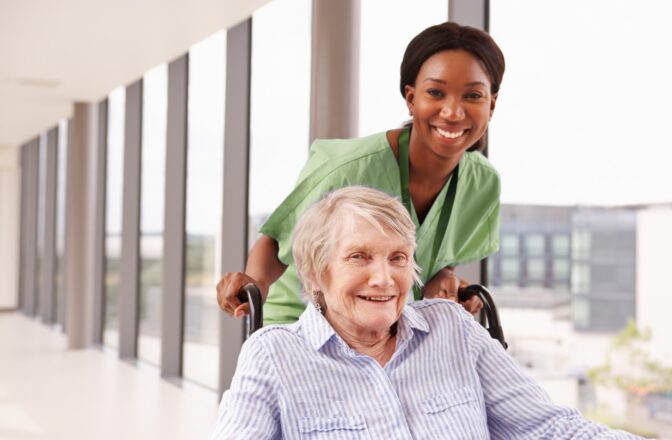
{"x":368,"y":276}
{"x":451,"y":103}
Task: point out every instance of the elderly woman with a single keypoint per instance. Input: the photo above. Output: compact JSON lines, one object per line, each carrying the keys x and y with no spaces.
{"x":362,"y":363}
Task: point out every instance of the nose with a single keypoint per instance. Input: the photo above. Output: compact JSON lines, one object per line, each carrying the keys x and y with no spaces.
{"x":452,"y":110}
{"x":381,"y":274}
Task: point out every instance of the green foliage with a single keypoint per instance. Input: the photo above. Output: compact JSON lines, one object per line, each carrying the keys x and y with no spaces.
{"x":629,"y":366}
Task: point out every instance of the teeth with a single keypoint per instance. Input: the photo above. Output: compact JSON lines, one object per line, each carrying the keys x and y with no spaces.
{"x":448,"y":134}
{"x":378,"y":298}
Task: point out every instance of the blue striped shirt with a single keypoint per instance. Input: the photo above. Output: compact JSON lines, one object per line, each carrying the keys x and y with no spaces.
{"x":446,"y":379}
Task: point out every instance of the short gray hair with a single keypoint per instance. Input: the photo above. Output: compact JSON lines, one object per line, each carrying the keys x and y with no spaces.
{"x":314,"y":234}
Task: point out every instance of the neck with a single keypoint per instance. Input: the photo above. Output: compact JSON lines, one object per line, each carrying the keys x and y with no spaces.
{"x":427,"y":167}
{"x":378,"y":345}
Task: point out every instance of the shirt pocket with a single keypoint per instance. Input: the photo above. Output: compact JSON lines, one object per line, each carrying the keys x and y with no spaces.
{"x":341,"y":427}
{"x":455,"y":414}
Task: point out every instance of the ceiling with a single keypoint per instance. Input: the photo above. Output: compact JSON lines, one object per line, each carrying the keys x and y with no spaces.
{"x":56,"y":52}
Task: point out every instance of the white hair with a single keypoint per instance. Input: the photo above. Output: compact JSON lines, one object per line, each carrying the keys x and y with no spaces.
{"x":317,"y":230}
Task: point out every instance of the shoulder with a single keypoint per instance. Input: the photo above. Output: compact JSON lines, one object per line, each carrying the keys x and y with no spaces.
{"x":357,"y":146}
{"x":441,"y":311}
{"x":274,"y":332}
{"x":475,"y":161}
{"x":478,"y":175}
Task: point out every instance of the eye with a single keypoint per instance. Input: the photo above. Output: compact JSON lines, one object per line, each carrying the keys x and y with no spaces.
{"x":357,"y":257}
{"x":474,"y":96}
{"x":436,"y":93}
{"x":399,"y":259}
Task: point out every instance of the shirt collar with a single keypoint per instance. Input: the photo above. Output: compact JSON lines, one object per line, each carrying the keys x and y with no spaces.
{"x":411,"y":320}
{"x":318,"y":331}
{"x":316,"y":328}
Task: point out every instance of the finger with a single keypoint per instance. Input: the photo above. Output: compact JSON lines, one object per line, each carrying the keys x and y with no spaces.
{"x":241,"y":310}
{"x":443,"y":293}
{"x":227,"y":295}
{"x":473,"y":305}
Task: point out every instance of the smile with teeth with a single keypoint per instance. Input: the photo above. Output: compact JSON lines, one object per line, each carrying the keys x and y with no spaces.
{"x":448,"y":134}
{"x":376,"y":298}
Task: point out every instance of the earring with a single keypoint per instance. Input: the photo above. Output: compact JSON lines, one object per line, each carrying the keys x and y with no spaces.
{"x":316,"y":301}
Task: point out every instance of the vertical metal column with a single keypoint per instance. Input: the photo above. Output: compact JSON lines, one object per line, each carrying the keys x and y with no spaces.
{"x":48,"y":260}
{"x":172,"y":304}
{"x":30,"y":272}
{"x":236,"y":171}
{"x":99,"y":225}
{"x":22,"y":226}
{"x":129,"y":281}
{"x":475,"y":13}
{"x":79,"y":214}
{"x":334,"y":96}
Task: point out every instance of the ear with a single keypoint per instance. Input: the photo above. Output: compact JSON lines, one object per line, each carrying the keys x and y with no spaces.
{"x":409,"y":91}
{"x":493,"y":102}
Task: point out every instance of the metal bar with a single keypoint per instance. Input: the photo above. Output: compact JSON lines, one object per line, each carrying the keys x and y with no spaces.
{"x":172,"y":305}
{"x":129,"y":280}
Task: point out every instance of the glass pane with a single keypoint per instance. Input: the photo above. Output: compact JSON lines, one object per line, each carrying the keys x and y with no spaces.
{"x":561,"y":245}
{"x":61,"y":179}
{"x":154,"y":108}
{"x":205,"y":161}
{"x":535,"y":269}
{"x":387,"y":26}
{"x":534,"y":244}
{"x":113,"y":210}
{"x":509,"y":244}
{"x":279,"y":139}
{"x":601,"y":194}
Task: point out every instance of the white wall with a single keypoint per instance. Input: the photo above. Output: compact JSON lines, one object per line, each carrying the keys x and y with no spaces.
{"x":10,"y":188}
{"x":654,"y":284}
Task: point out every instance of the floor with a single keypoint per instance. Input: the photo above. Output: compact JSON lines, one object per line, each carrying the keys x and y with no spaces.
{"x":49,"y":392}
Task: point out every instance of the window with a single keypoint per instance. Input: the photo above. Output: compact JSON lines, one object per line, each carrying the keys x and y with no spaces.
{"x":113,"y":211}
{"x":574,"y":191}
{"x":560,"y":245}
{"x":152,"y":187}
{"x":281,"y":30}
{"x":534,"y":245}
{"x":205,"y":161}
{"x":510,"y":270}
{"x":509,"y":244}
{"x":560,"y":269}
{"x":536,"y":269}
{"x":581,"y":243}
{"x":387,"y":26}
{"x":61,"y":179}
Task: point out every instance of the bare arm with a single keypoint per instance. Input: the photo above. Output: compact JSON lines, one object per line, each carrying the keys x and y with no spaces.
{"x":262,"y":269}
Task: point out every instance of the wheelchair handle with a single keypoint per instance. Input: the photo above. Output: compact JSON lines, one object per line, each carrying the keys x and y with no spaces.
{"x":494,"y":326}
{"x":250,"y":293}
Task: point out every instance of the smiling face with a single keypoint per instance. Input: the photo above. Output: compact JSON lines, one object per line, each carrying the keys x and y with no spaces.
{"x":368,"y":275}
{"x":451,"y":104}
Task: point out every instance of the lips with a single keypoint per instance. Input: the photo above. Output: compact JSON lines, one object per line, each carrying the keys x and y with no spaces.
{"x":450,"y":133}
{"x":376,"y":298}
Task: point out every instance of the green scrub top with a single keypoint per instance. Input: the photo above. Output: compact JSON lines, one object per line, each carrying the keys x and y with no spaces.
{"x":473,"y":231}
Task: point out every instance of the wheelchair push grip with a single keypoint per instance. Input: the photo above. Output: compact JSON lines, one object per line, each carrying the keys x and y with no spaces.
{"x":250,"y":293}
{"x":489,"y":311}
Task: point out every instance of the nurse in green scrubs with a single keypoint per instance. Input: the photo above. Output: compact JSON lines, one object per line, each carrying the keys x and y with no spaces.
{"x":450,"y":77}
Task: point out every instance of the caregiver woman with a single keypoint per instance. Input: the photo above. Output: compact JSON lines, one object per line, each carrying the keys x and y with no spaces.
{"x":450,"y":77}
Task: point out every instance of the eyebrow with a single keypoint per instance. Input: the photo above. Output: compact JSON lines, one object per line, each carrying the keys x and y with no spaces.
{"x":471,"y":84}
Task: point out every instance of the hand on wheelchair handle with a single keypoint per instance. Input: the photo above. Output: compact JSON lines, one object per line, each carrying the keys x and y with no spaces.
{"x":227,"y":293}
